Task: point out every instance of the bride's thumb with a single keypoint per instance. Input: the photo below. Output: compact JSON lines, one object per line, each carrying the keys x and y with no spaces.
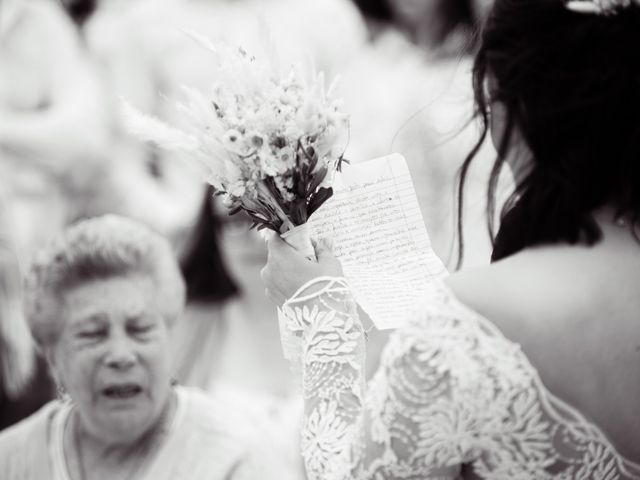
{"x":324,"y":248}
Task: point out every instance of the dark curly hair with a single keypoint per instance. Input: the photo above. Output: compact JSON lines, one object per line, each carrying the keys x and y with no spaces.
{"x":570,"y":83}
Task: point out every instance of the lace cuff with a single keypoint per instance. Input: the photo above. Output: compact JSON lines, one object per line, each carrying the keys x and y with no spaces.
{"x":328,"y":293}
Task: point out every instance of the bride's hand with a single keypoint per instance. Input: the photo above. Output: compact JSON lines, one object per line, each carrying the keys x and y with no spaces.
{"x":287,"y":269}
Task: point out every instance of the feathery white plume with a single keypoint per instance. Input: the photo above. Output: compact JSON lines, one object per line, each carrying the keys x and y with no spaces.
{"x":150,"y":129}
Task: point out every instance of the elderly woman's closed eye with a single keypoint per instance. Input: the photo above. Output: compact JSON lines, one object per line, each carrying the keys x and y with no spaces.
{"x":101,"y":302}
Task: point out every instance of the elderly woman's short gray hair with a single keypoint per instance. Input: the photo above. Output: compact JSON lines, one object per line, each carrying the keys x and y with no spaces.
{"x":98,"y":248}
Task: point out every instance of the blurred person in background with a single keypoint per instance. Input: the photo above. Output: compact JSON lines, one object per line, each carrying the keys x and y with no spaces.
{"x":49,"y":94}
{"x":199,"y":339}
{"x":52,"y":129}
{"x":440,"y":27}
{"x":102,"y":300}
{"x":410,"y":92}
{"x":24,"y":383}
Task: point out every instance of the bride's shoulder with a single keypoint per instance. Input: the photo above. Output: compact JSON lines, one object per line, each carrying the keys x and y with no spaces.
{"x":536,"y":285}
{"x":527,"y":297}
{"x":574,"y":314}
{"x":545,"y":299}
{"x":554,"y":287}
{"x":567,"y":306}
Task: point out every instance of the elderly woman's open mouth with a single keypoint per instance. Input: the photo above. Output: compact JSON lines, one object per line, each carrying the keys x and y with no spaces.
{"x":122,"y":391}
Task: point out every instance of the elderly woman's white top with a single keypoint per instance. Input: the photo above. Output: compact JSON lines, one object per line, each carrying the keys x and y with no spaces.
{"x":451,"y":391}
{"x":207,"y":440}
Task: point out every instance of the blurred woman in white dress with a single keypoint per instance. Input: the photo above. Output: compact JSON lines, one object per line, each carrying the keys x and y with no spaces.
{"x":52,"y":130}
{"x":48,"y":92}
{"x":409,"y":92}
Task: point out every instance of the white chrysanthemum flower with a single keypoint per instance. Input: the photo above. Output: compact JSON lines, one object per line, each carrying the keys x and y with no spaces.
{"x":233,"y":141}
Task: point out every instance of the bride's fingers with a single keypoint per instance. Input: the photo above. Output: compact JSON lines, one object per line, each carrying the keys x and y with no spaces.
{"x":276,"y":244}
{"x":278,"y":249}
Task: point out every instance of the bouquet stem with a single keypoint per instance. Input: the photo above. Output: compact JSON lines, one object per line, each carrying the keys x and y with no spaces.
{"x":300,"y":238}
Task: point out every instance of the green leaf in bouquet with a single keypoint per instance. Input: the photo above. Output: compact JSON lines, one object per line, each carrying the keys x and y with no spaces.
{"x":275,"y":193}
{"x":318,"y":199}
{"x":217,"y":109}
{"x":260,"y":223}
{"x":235,"y":209}
{"x":316,"y":180}
{"x":274,"y":203}
{"x":313,"y":161}
{"x":310,"y":154}
{"x":299,"y":211}
{"x":299,"y":177}
{"x":300,"y":184}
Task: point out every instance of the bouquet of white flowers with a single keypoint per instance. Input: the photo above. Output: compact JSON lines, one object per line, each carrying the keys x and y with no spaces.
{"x":268,"y":141}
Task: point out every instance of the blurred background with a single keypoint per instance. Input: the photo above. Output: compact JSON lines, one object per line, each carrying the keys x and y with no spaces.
{"x":405,"y":70}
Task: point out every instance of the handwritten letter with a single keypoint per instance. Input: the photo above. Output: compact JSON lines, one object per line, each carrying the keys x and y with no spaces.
{"x":380,"y":238}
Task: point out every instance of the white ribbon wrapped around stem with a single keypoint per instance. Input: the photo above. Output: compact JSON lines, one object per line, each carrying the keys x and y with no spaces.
{"x":300,"y":238}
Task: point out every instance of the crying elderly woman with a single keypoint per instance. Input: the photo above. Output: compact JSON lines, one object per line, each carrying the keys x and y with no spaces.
{"x":101,"y":301}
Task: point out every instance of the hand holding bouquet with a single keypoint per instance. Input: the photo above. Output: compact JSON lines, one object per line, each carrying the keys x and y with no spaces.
{"x":268,"y":141}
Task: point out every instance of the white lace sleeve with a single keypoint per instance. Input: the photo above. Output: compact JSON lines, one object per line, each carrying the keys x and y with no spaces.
{"x":321,"y":333}
{"x":451,"y":395}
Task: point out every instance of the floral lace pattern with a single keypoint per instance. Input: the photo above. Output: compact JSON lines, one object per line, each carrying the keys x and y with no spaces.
{"x":451,"y":390}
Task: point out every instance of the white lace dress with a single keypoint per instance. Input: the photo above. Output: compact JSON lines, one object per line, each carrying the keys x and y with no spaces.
{"x":451,"y":391}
